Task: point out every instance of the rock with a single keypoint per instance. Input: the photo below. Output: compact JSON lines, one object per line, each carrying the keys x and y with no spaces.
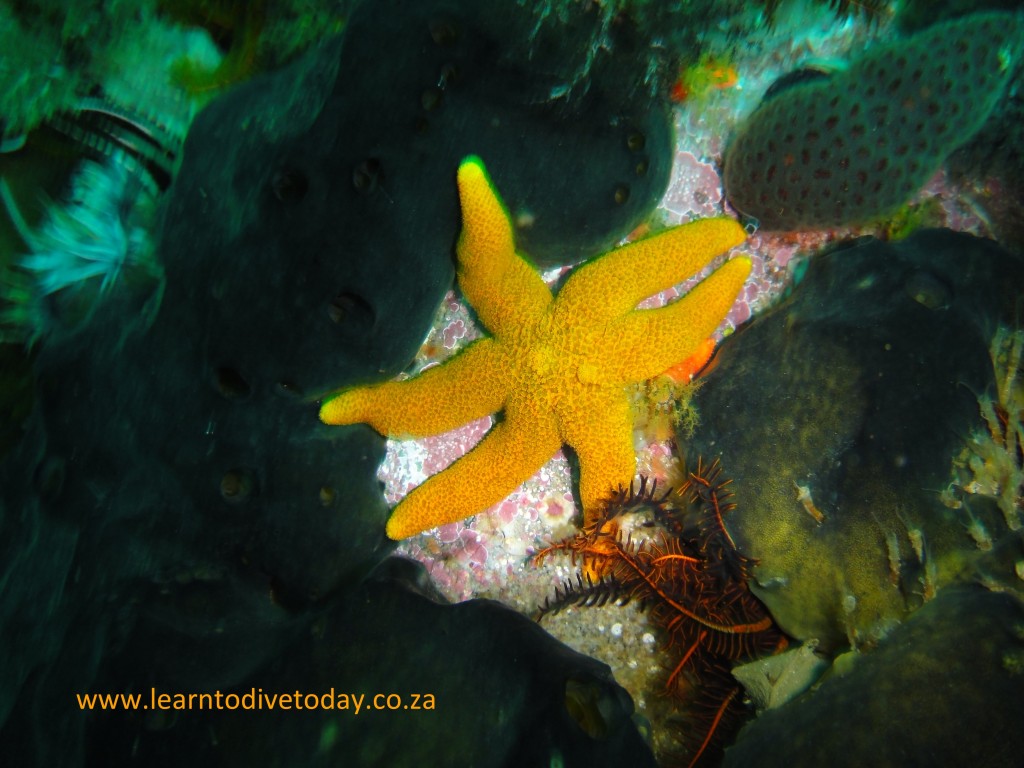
{"x":468,"y":684}
{"x":773,"y":681}
{"x":177,"y":498}
{"x":943,"y":689}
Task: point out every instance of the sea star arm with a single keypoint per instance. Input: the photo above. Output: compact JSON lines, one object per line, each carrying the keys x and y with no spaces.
{"x":506,"y":458}
{"x":628,"y":275}
{"x":466,"y":387}
{"x":504,"y":290}
{"x":662,"y":337}
{"x":599,"y":427}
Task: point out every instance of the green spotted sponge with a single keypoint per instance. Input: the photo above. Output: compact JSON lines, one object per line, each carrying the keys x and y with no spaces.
{"x":857,"y":144}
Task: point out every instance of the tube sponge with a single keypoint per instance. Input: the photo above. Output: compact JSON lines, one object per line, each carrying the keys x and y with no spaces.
{"x":855,"y":145}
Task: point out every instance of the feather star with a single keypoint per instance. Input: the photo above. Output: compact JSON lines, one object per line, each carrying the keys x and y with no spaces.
{"x":558,"y":368}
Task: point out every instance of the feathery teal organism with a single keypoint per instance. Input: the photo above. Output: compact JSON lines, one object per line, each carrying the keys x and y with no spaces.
{"x":83,"y":247}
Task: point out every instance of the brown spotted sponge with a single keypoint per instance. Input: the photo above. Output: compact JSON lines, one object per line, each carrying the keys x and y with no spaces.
{"x":855,"y":145}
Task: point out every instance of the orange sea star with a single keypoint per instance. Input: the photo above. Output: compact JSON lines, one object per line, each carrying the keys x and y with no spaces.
{"x":557,"y":367}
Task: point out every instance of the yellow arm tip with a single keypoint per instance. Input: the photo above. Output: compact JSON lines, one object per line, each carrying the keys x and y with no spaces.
{"x":471,"y":163}
{"x":721,"y":289}
{"x":738,"y":233}
{"x":744,"y":265}
{"x":333,"y":411}
{"x":397,"y":532}
{"x":471,"y":175}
